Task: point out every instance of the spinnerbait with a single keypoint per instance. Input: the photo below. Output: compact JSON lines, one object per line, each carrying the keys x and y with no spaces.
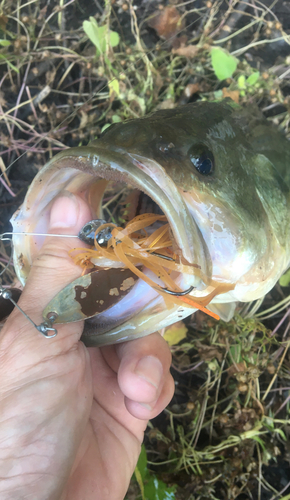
{"x":87,"y":235}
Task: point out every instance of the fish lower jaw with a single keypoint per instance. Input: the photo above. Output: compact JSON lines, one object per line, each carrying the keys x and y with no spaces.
{"x":141,"y":312}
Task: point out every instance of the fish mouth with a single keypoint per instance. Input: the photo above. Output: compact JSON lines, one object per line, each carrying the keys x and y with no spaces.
{"x":98,"y":174}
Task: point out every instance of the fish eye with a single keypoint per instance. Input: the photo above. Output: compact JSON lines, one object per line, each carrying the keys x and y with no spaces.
{"x":202,"y":158}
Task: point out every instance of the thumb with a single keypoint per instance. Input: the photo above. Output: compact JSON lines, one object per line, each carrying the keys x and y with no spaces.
{"x":53,"y":269}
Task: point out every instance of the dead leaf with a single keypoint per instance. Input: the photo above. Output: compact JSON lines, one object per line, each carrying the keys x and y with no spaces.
{"x":190,"y":89}
{"x":50,"y":76}
{"x":84,"y":119}
{"x":181,"y":41}
{"x":233,"y":94}
{"x":175,"y":333}
{"x":3,"y":101}
{"x":3,"y":22}
{"x":186,"y":51}
{"x":237,"y":367}
{"x":166,"y":104}
{"x":166,"y":22}
{"x":3,"y":168}
{"x":208,"y":352}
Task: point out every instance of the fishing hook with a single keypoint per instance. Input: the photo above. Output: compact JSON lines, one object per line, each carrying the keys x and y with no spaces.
{"x":162,"y":256}
{"x":178,"y":294}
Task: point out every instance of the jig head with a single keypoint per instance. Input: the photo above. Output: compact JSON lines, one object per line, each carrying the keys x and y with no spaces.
{"x":87,"y":233}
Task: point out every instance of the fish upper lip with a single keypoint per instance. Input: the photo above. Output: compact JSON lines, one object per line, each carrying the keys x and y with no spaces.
{"x":147,"y":178}
{"x":183,"y":225}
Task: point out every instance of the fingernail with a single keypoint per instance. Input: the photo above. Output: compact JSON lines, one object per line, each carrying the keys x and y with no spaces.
{"x":146,"y":406}
{"x":150,"y":369}
{"x":64,"y":212}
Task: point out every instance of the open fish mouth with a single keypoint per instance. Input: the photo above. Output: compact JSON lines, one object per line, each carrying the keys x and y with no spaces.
{"x":117,"y":187}
{"x":196,"y":173}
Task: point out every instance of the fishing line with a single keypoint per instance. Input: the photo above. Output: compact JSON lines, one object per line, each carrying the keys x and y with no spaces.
{"x":3,"y":236}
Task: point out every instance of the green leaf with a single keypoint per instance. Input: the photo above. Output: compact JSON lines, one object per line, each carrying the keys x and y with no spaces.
{"x":259,"y":440}
{"x":223,"y":63}
{"x":5,"y":43}
{"x":102,"y":30}
{"x":242,"y":82}
{"x":285,"y":279}
{"x":156,"y":489}
{"x":91,"y":29}
{"x":150,"y":486}
{"x":287,"y":497}
{"x":175,"y":333}
{"x":98,"y":35}
{"x":105,"y":127}
{"x":235,"y":350}
{"x":281,"y":433}
{"x":142,"y":462}
{"x":139,"y":480}
{"x":114,"y":87}
{"x":253,"y":78}
{"x":116,"y":119}
{"x":9,"y":63}
{"x":218,"y":94}
{"x":114,"y":38}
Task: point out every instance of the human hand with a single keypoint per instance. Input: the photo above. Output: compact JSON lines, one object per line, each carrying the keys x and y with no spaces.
{"x":72,"y":419}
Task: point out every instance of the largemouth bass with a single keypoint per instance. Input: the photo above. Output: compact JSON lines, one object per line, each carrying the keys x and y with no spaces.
{"x":218,"y":177}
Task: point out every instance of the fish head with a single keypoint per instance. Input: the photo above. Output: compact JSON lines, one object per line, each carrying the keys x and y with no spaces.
{"x":227,"y":206}
{"x":235,"y":195}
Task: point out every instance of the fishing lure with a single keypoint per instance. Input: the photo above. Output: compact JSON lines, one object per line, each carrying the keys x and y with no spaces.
{"x":141,"y":249}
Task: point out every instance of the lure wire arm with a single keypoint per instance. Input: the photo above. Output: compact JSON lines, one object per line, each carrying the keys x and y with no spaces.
{"x":45,"y":328}
{"x":3,"y":236}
